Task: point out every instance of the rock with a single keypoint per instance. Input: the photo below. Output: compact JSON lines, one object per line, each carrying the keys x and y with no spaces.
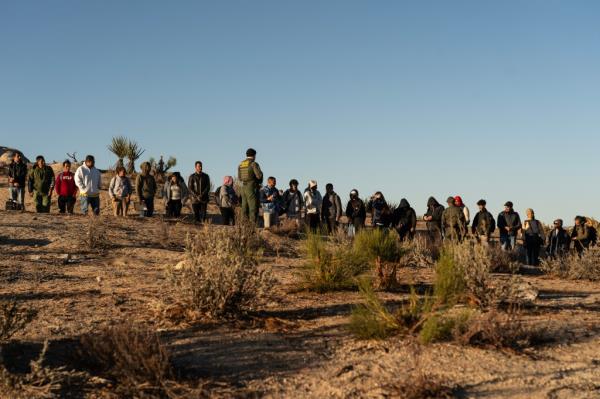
{"x":181,"y":265}
{"x":99,"y":279}
{"x":35,"y":257}
{"x":65,"y":258}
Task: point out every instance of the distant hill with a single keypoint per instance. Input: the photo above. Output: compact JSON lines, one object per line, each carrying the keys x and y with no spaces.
{"x":6,"y":154}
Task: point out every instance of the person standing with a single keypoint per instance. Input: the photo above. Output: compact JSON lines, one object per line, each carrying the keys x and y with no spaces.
{"x":293,"y":203}
{"x":381,"y":214}
{"x":199,"y":189}
{"x":313,"y":202}
{"x":405,"y":220}
{"x":120,"y":191}
{"x":433,"y":217}
{"x":580,"y":235}
{"x":66,"y":189}
{"x":331,"y":209}
{"x":484,"y":224}
{"x":356,"y":212}
{"x":251,"y":177}
{"x":175,"y":193}
{"x":453,"y":221}
{"x":533,"y":238}
{"x":88,"y":180}
{"x":41,"y":185}
{"x":145,"y":187}
{"x":509,"y":224}
{"x":17,"y":180}
{"x":227,"y":200}
{"x":270,"y":201}
{"x":461,"y":205}
{"x":558,"y":241}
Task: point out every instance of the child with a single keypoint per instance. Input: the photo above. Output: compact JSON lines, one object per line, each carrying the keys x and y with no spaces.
{"x":175,"y":193}
{"x":120,"y":192}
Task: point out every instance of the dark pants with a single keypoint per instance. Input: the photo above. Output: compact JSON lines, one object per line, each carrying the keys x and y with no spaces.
{"x":200,"y":211}
{"x":174,"y":208}
{"x":312,"y":220}
{"x":358,"y":223}
{"x":332,"y":225}
{"x":405,"y":234}
{"x":228,"y":216}
{"x":532,"y":248}
{"x":65,"y":204}
{"x":149,"y":202}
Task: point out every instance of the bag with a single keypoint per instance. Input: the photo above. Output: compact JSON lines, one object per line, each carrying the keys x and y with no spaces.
{"x":218,"y":196}
{"x":12,"y":205}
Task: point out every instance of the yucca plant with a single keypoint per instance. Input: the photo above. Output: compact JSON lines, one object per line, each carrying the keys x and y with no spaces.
{"x":134,"y":152}
{"x":119,"y":146}
{"x":381,"y":248}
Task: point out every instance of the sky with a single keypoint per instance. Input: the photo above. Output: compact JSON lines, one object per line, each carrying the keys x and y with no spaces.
{"x":484,"y":99}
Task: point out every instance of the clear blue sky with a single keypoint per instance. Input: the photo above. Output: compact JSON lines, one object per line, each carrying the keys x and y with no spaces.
{"x":489,"y":99}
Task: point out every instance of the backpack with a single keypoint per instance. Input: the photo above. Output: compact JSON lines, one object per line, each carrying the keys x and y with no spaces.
{"x":218,"y":196}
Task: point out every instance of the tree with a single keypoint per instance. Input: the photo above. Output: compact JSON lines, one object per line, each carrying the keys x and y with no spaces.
{"x":120,"y":147}
{"x":134,"y":152}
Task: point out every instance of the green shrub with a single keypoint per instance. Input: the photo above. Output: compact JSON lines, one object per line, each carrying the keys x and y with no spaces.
{"x":370,"y":319}
{"x":450,"y":286}
{"x":380,"y":248}
{"x":444,"y":326}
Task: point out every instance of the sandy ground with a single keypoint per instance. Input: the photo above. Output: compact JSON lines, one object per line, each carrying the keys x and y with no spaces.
{"x":297,"y":346}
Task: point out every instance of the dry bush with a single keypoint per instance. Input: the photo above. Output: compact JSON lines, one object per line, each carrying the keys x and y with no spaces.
{"x":221,"y":276}
{"x":330,"y":266}
{"x":286,"y":228}
{"x":134,"y":358}
{"x":574,"y":267}
{"x":164,"y":235}
{"x":503,"y":261}
{"x":95,"y":237}
{"x":444,"y":326}
{"x":381,"y":248}
{"x":419,"y":252}
{"x":13,"y":318}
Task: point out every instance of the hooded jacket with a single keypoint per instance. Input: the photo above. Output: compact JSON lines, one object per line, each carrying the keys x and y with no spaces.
{"x":380,"y":212}
{"x":405,"y":217}
{"x":313,"y":201}
{"x":355,"y":209}
{"x":88,"y":181}
{"x":292,"y":202}
{"x":167,"y":190}
{"x":119,"y":187}
{"x":332,"y":206}
{"x":199,"y":187}
{"x":483,"y":223}
{"x":435,"y":210}
{"x":454,"y":222}
{"x":145,"y":184}
{"x":18,"y":172}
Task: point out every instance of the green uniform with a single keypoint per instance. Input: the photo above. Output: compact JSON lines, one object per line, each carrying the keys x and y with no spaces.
{"x":41,"y":184}
{"x":251,"y":177}
{"x":454,"y":222}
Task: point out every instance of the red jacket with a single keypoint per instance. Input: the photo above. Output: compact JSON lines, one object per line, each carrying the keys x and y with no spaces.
{"x":65,"y":184}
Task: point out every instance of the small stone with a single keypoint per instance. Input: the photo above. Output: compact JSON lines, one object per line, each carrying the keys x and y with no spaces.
{"x":99,"y":279}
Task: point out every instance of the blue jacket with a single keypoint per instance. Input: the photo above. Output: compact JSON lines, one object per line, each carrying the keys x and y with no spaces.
{"x":270,"y":206}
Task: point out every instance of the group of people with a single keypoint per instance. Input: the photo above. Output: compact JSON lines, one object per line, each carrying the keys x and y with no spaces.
{"x":309,"y":207}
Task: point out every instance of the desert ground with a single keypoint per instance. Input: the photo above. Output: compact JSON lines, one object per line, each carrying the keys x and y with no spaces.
{"x":297,"y":345}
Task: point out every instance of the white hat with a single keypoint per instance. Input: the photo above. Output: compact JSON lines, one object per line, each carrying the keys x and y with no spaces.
{"x":312,"y":183}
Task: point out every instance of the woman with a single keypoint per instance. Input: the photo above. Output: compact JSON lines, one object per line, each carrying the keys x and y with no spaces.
{"x":175,"y":193}
{"x":380,"y":211}
{"x":120,"y":191}
{"x":580,"y":235}
{"x":313,"y":202}
{"x":227,"y":200}
{"x":533,"y":238}
{"x":356,"y":211}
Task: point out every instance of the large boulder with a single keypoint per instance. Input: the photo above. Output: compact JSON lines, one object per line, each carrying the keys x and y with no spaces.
{"x":6,"y":156}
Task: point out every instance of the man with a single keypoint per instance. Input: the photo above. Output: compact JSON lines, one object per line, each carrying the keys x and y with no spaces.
{"x":483,"y":224}
{"x":199,"y":190}
{"x":41,"y":185}
{"x":292,"y":202}
{"x":313,"y":202}
{"x":145,"y":187}
{"x":558,"y":240}
{"x":66,"y":189}
{"x":453,"y":221}
{"x":405,"y":220}
{"x":356,"y":212}
{"x":433,"y":217}
{"x":331,"y":212}
{"x":17,"y":179}
{"x":580,"y":235}
{"x":270,"y":201}
{"x":509,"y":224}
{"x":251,"y":177}
{"x":88,"y":180}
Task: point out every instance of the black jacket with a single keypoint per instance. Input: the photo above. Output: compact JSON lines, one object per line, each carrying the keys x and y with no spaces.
{"x":404,"y":217}
{"x":288,"y":197}
{"x":356,"y":209}
{"x":558,"y":242}
{"x":18,"y":172}
{"x":380,"y":212}
{"x":435,"y":210}
{"x":483,"y":223}
{"x":332,"y":206}
{"x":199,"y":187}
{"x":511,"y":220}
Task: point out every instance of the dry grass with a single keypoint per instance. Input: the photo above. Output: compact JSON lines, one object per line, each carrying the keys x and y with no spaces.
{"x":420,"y":252}
{"x":222,"y":276}
{"x":13,"y":318}
{"x":573,"y":267}
{"x":95,"y":237}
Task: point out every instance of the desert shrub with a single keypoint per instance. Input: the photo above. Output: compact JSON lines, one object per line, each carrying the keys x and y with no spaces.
{"x":95,"y":237}
{"x":380,"y":247}
{"x":133,"y":357}
{"x":286,"y":228}
{"x":419,"y":252}
{"x":221,"y":276}
{"x":574,"y":267}
{"x":13,"y":318}
{"x":330,"y":266}
{"x":444,"y":326}
{"x":450,"y":285}
{"x":503,"y":261}
{"x":371,"y":319}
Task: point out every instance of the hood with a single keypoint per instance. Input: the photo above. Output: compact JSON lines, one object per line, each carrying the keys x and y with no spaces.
{"x":432,"y":202}
{"x":404,"y":203}
{"x":458,"y":201}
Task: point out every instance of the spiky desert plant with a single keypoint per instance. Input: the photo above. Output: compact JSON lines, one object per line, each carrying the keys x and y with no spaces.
{"x":119,"y":146}
{"x":134,"y":152}
{"x":381,"y":248}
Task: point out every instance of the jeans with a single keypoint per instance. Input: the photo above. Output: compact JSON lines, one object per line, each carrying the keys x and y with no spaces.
{"x":508,"y":242}
{"x":199,"y":211}
{"x":174,"y":208}
{"x":86,"y":202}
{"x":149,"y":203}
{"x":17,"y":194}
{"x":66,"y":204}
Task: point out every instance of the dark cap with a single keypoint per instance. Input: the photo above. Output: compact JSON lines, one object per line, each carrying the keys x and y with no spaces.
{"x":451,"y":200}
{"x":481,"y":202}
{"x":89,"y":158}
{"x":509,"y":204}
{"x":251,"y":152}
